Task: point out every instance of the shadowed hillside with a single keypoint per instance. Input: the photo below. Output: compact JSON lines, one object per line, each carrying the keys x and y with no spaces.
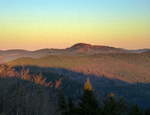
{"x":126,"y":67}
{"x":20,"y":97}
{"x":23,"y":92}
{"x":72,"y":83}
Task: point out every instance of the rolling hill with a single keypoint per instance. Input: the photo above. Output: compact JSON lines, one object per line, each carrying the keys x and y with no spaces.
{"x":77,"y":49}
{"x":94,"y":49}
{"x":124,"y":72}
{"x":127,"y":67}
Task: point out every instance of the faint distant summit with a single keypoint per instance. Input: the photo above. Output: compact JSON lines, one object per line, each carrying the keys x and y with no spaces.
{"x":88,"y":48}
{"x":84,"y":45}
{"x":81,"y":45}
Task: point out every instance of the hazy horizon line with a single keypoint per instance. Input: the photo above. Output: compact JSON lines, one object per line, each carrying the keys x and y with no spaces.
{"x":36,"y":49}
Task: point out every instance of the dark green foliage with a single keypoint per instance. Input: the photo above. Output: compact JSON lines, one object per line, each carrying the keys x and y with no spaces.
{"x":62,"y":104}
{"x":18,"y":97}
{"x":88,"y":104}
{"x":135,"y":110}
{"x":66,"y":106}
{"x":72,"y":109}
{"x":21,"y":96}
{"x":113,"y":106}
{"x":147,"y":112}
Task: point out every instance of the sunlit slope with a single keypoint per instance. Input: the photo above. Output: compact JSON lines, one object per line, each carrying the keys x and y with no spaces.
{"x":76,"y":49}
{"x":127,"y":67}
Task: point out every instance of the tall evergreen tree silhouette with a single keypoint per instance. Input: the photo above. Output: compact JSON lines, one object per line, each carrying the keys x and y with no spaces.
{"x":62,"y":104}
{"x":135,"y":110}
{"x":88,"y":104}
{"x":72,"y":110}
{"x":112,"y":106}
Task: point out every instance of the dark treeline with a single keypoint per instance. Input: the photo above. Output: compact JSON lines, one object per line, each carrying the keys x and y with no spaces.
{"x":22,"y":93}
{"x":20,"y":97}
{"x":89,"y":105}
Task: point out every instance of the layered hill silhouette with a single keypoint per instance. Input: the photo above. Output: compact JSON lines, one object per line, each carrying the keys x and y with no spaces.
{"x":124,"y":72}
{"x":127,"y":67}
{"x":77,"y":49}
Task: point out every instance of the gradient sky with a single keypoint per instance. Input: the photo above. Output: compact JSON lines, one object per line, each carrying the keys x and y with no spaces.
{"x":36,"y":24}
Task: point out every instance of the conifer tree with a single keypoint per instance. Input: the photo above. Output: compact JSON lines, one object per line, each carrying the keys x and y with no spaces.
{"x":112,"y":106}
{"x":135,"y":110}
{"x":62,"y":103}
{"x":88,"y":104}
{"x":71,"y":107}
{"x":147,"y":112}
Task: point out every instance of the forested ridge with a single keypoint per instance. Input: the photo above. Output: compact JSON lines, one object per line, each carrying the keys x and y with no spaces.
{"x":25,"y":93}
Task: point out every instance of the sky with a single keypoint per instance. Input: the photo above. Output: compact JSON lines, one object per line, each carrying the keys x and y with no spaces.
{"x":36,"y":24}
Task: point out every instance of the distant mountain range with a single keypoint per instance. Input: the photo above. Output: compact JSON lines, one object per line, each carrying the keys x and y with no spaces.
{"x":77,"y":49}
{"x":123,"y":72}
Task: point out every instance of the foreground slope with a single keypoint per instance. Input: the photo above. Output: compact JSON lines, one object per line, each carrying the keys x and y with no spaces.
{"x":21,"y":97}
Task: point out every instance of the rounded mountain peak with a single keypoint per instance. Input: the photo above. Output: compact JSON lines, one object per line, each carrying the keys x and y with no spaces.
{"x":81,"y":45}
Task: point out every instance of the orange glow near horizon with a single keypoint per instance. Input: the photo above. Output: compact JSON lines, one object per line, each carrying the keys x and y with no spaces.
{"x":43,"y":25}
{"x":34,"y":37}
